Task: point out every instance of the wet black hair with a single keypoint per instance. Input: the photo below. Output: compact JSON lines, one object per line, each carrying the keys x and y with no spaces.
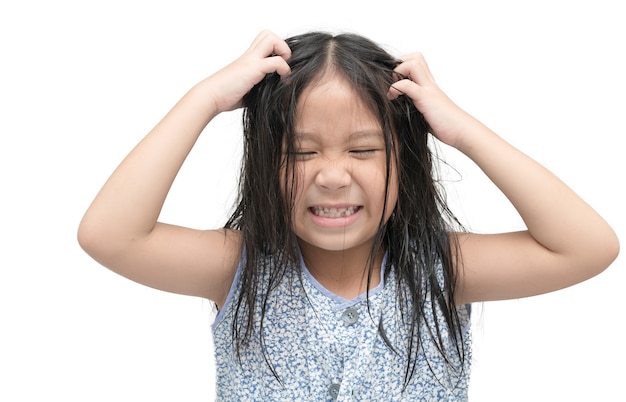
{"x":418,"y":235}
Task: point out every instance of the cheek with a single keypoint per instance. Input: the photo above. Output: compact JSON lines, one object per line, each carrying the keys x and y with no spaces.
{"x":373,"y":180}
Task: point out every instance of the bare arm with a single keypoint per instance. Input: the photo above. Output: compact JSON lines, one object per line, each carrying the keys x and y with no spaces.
{"x":566,"y":242}
{"x":121,"y":229}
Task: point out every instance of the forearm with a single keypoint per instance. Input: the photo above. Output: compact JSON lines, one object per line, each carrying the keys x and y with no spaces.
{"x":128,"y":205}
{"x":556,"y":217}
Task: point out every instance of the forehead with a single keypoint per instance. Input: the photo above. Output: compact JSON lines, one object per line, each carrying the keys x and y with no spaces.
{"x":331,"y":105}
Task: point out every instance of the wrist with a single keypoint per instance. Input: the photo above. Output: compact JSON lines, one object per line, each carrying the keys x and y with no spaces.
{"x":203,"y":95}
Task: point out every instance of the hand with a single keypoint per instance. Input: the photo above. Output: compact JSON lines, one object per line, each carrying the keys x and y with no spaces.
{"x":267,"y":54}
{"x":446,"y":120}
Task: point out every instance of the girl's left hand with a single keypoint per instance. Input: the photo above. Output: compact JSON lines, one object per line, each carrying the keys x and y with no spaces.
{"x":446,"y":120}
{"x":566,"y":241}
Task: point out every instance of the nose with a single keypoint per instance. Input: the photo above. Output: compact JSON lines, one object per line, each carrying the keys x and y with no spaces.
{"x":333,"y":174}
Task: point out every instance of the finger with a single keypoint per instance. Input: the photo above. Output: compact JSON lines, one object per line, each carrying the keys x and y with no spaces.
{"x":394,"y":92}
{"x":281,"y":48}
{"x":404,"y":87}
{"x":269,"y":44}
{"x":415,"y":68}
{"x":275,"y":64}
{"x":261,"y":37}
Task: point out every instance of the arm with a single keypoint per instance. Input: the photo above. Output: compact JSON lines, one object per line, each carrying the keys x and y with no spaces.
{"x":120,"y":228}
{"x":566,"y":242}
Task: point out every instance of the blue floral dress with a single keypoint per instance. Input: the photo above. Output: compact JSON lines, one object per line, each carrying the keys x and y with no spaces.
{"x":323,"y":347}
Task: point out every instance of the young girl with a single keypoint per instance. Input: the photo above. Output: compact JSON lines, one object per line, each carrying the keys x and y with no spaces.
{"x":341,"y":274}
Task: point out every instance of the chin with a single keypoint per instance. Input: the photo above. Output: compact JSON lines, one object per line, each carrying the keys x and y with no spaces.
{"x":333,"y":243}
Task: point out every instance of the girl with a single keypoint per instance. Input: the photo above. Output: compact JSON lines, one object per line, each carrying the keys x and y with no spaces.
{"x":341,"y":274}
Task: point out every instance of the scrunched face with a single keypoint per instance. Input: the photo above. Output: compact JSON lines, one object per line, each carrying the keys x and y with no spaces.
{"x":341,"y":169}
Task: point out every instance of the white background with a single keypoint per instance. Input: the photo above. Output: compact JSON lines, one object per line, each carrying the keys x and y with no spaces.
{"x":82,"y":81}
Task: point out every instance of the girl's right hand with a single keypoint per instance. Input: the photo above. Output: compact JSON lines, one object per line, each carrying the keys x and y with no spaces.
{"x":267,"y":54}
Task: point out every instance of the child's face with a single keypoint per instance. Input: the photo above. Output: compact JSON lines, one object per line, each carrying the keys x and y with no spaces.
{"x":341,"y":165}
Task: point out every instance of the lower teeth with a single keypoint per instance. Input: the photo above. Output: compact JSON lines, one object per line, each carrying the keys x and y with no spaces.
{"x":333,"y":214}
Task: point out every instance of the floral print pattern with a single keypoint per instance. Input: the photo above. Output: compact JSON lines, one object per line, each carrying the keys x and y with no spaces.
{"x":322,"y":347}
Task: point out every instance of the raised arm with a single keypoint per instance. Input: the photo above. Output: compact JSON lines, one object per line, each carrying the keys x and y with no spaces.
{"x":121,"y":230}
{"x":566,"y":242}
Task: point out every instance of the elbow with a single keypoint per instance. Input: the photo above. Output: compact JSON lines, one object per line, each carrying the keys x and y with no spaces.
{"x":94,"y":239}
{"x":103,"y":241}
{"x":613,"y":248}
{"x":607,"y":248}
{"x":87,"y":237}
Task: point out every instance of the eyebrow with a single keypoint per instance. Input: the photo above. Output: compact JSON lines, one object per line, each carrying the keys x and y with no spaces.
{"x":376,"y":133}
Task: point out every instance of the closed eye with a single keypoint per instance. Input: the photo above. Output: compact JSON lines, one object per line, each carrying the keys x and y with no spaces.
{"x":302,"y":155}
{"x":363,"y":153}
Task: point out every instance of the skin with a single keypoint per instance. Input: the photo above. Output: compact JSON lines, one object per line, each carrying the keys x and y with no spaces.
{"x":566,"y":242}
{"x":342,"y":165}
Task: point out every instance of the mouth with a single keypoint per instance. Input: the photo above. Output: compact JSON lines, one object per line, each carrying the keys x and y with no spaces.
{"x":333,"y":213}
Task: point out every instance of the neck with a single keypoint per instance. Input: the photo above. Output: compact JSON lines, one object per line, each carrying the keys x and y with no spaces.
{"x":343,"y":272}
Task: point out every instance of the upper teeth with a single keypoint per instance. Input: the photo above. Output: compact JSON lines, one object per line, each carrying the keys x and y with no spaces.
{"x":334,"y":212}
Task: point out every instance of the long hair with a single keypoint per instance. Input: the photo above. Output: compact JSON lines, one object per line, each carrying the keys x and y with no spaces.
{"x":417,"y":235}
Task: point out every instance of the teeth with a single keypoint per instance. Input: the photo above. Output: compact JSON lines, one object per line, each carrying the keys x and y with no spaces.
{"x":334,"y":212}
